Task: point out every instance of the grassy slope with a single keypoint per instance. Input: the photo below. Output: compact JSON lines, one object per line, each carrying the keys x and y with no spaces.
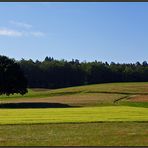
{"x":85,"y":96}
{"x":75,"y":115}
{"x":84,"y":134}
{"x":89,"y":95}
{"x":116,"y":88}
{"x":112,"y":133}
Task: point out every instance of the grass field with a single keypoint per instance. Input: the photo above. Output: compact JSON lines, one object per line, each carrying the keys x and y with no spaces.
{"x":84,"y":134}
{"x":111,"y":88}
{"x":74,"y":115}
{"x":107,"y":114}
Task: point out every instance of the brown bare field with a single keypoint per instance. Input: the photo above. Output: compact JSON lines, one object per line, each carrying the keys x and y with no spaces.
{"x":89,"y":99}
{"x":139,"y":98}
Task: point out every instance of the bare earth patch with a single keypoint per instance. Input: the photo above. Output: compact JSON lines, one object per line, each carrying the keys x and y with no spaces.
{"x":140,"y":98}
{"x":83,"y":99}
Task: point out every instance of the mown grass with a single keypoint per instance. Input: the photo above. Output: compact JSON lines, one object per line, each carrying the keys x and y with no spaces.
{"x":123,"y":122}
{"x":73,"y":115}
{"x":118,"y":88}
{"x":111,"y":88}
{"x":84,"y":134}
{"x":89,"y":95}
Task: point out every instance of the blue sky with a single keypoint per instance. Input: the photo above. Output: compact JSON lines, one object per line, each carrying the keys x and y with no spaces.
{"x":100,"y":31}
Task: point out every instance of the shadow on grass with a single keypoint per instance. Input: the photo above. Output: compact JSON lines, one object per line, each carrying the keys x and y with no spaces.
{"x":34,"y":105}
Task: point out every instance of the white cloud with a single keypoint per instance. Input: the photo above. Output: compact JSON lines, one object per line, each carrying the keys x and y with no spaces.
{"x":21,"y":24}
{"x":9,"y":32}
{"x":16,"y":33}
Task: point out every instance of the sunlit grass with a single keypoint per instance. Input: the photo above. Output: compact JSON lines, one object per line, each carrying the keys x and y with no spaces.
{"x":108,"y":88}
{"x":106,"y":117}
{"x":74,"y":115}
{"x":84,"y":134}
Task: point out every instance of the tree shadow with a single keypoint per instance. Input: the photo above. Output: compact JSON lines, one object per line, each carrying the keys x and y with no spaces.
{"x":34,"y":105}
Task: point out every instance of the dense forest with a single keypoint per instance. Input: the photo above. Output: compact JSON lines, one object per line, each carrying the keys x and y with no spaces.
{"x":52,"y":73}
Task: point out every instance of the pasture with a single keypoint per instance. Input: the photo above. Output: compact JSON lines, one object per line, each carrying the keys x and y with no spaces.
{"x":102,"y":114}
{"x":73,"y":115}
{"x":70,"y":134}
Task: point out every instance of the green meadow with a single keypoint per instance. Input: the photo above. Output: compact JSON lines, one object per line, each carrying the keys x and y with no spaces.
{"x":73,"y":115}
{"x":111,"y":88}
{"x":75,"y":134}
{"x":111,"y":114}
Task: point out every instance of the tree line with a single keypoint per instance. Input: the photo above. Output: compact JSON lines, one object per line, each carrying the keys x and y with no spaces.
{"x":52,"y":73}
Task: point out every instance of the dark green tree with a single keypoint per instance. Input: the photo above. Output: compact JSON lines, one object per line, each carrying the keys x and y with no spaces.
{"x":12,"y":79}
{"x":52,"y":73}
